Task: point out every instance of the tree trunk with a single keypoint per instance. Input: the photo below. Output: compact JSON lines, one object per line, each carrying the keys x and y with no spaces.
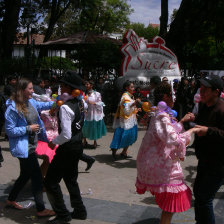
{"x":9,"y":26}
{"x":163,"y":18}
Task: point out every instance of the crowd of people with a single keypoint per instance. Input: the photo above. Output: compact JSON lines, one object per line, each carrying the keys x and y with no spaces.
{"x":58,"y":133}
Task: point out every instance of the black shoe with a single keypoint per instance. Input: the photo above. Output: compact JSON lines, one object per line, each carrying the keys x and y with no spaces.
{"x":88,"y":146}
{"x":79,"y":215}
{"x":125,"y":156}
{"x":114,"y":153}
{"x":90,"y":163}
{"x":60,"y":220}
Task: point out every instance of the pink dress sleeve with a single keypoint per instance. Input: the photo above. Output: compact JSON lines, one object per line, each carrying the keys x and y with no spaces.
{"x":175,"y":142}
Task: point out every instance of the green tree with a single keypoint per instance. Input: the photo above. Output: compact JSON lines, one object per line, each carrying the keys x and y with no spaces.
{"x":99,"y":57}
{"x":54,"y":9}
{"x":57,"y":63}
{"x":172,"y":17}
{"x":196,"y":34}
{"x":147,"y":32}
{"x":100,"y":16}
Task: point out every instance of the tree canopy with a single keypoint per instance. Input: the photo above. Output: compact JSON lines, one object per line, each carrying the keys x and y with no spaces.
{"x":148,"y":32}
{"x":196,"y":34}
{"x":95,"y":15}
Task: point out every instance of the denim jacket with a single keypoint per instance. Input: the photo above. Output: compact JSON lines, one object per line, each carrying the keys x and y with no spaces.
{"x":15,"y":127}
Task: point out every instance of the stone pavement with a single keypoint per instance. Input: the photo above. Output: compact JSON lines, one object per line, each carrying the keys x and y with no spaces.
{"x":108,"y":190}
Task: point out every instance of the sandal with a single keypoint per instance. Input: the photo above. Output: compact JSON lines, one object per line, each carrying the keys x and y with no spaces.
{"x":14,"y":204}
{"x":46,"y":213}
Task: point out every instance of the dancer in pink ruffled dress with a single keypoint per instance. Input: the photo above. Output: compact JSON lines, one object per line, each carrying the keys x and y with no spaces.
{"x":50,"y":120}
{"x":42,"y":150}
{"x":158,"y":162}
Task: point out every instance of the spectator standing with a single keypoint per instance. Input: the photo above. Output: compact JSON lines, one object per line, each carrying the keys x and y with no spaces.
{"x":139,"y":95}
{"x":181,"y":97}
{"x":10,"y":87}
{"x":100,"y":86}
{"x":192,"y":90}
{"x":38,"y":87}
{"x":165,"y":79}
{"x":154,"y":81}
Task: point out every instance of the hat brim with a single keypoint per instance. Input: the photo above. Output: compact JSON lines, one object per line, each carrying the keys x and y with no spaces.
{"x":205,"y":83}
{"x":72,"y":85}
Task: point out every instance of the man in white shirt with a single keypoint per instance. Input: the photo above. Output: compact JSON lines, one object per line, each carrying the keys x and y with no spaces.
{"x":65,"y":163}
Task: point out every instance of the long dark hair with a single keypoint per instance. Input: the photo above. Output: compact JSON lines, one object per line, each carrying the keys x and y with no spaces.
{"x":160,"y":90}
{"x":18,"y":95}
{"x":126,"y":84}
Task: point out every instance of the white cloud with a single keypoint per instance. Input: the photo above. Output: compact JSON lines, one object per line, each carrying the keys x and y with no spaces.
{"x":149,"y":11}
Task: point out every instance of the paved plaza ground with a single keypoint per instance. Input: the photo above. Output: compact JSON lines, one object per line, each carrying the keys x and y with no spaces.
{"x":108,"y":190}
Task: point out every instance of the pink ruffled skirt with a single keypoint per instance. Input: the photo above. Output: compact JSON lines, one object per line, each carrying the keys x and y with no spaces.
{"x":173,"y":199}
{"x":42,"y":149}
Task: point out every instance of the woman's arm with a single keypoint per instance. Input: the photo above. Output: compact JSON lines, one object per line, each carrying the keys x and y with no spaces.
{"x":173,"y":140}
{"x":42,"y":105}
{"x":11,"y":118}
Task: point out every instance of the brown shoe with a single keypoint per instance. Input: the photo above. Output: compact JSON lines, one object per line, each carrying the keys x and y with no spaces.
{"x":14,"y":204}
{"x":46,"y":213}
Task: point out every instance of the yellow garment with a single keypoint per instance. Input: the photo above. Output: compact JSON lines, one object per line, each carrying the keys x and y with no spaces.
{"x":120,"y":110}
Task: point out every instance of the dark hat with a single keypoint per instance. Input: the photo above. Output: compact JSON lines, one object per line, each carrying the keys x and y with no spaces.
{"x":155,"y":79}
{"x":212,"y":81}
{"x":72,"y":79}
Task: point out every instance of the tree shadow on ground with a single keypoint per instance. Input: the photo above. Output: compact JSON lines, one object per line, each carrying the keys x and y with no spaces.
{"x":119,"y":163}
{"x":110,"y":129}
{"x":149,"y":200}
{"x":148,"y":221}
{"x":25,"y":198}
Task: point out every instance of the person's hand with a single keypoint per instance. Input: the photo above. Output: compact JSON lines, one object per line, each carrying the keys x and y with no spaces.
{"x":193,"y":130}
{"x":188,"y":117}
{"x":34,"y":127}
{"x":51,"y":145}
{"x":135,"y":102}
{"x":201,"y":130}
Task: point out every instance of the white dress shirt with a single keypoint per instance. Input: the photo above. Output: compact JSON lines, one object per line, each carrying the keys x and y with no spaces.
{"x":66,"y":116}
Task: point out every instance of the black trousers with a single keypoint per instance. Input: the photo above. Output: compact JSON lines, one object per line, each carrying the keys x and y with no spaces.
{"x":29,"y":169}
{"x":86,"y":158}
{"x":64,"y":166}
{"x":207,"y":183}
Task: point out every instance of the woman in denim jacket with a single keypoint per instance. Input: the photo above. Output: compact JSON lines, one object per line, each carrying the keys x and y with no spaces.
{"x":24,"y":127}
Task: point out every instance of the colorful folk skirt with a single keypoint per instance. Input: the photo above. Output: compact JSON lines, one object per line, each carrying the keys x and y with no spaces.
{"x":123,"y":138}
{"x":94,"y":130}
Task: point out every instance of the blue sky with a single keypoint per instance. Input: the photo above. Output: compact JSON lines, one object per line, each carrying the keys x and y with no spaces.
{"x":149,"y":11}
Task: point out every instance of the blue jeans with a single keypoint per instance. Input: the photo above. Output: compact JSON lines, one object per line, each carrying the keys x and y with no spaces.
{"x":208,"y":181}
{"x":29,"y":168}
